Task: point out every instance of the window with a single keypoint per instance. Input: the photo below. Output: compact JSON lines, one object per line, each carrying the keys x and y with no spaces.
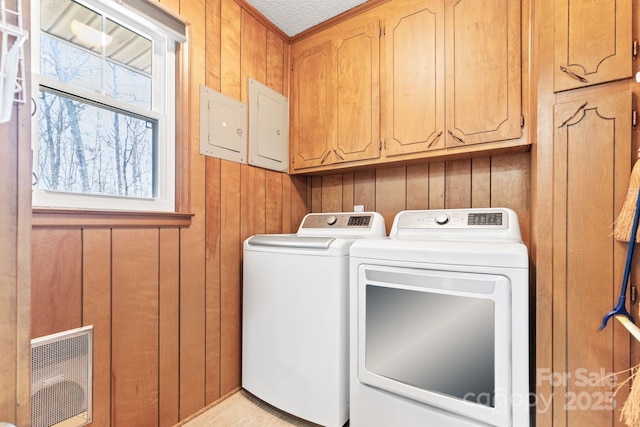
{"x":104,"y":85}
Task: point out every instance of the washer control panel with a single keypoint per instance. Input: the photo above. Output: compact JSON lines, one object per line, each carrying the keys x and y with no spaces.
{"x":363,"y":224}
{"x":338,"y":220}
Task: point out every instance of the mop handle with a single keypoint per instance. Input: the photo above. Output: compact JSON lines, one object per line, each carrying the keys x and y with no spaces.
{"x":632,"y":244}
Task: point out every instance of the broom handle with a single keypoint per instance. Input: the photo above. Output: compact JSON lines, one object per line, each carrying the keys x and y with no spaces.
{"x":632,"y":244}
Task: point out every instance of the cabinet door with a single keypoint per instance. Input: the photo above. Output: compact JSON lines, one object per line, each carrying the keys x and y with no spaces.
{"x":311,"y":104}
{"x":413,"y":69}
{"x":483,"y":74}
{"x":592,"y":42}
{"x":357,"y":109}
{"x":591,"y":166}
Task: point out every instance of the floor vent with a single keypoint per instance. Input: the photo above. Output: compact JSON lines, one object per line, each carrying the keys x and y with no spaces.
{"x":61,"y":373}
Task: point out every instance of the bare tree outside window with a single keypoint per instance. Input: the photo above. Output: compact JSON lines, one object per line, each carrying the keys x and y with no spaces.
{"x":86,"y":146}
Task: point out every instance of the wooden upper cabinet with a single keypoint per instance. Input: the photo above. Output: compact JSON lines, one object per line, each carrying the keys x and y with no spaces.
{"x":408,"y":80}
{"x":335,"y":97}
{"x":311,"y":103}
{"x":593,"y":42}
{"x":473,"y":96}
{"x":413,"y":71}
{"x":483,"y":71}
{"x":357,"y":94}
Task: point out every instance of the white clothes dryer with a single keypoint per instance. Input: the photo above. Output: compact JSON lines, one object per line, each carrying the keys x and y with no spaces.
{"x":439,"y":322}
{"x":295,"y":315}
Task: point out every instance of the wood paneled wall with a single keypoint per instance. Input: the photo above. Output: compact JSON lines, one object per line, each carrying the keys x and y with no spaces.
{"x":165,"y":301}
{"x":501,"y":181}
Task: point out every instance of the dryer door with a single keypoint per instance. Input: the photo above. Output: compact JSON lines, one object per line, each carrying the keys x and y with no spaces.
{"x":438,"y":337}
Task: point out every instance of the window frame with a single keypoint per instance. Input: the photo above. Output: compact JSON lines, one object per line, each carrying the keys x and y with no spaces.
{"x":165,"y":87}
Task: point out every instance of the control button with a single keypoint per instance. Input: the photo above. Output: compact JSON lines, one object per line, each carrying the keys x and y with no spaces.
{"x":332,"y":220}
{"x":442,"y":219}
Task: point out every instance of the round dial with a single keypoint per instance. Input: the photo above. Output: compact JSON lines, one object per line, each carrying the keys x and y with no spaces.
{"x":442,"y":219}
{"x":332,"y":220}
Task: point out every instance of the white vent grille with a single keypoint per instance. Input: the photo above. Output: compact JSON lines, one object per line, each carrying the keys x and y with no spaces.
{"x":61,"y":373}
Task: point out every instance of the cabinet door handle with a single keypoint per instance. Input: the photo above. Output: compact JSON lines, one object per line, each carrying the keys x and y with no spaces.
{"x":456,"y":138}
{"x":338,"y":154}
{"x":580,"y":108}
{"x":572,"y":74}
{"x":324,"y":159}
{"x":435,"y":140}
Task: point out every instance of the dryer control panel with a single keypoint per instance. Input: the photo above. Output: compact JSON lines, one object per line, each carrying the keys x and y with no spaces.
{"x":454,"y":218}
{"x":491,"y":223}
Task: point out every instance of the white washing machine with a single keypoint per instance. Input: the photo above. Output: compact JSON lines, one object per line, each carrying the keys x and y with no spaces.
{"x":295,"y":315}
{"x":439,"y":322}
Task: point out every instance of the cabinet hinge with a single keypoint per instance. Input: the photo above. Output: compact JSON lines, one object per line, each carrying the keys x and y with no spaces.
{"x":381,"y":32}
{"x":635,"y":49}
{"x":634,"y":119}
{"x":522,"y":121}
{"x":634,"y":294}
{"x":382,"y":145}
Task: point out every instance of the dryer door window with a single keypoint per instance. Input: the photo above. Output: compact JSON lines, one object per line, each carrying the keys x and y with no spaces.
{"x":438,"y":337}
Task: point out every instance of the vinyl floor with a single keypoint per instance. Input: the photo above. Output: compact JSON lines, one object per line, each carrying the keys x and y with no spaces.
{"x":244,"y":410}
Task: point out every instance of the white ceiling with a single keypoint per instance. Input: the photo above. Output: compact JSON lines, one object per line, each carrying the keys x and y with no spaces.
{"x":295,"y":16}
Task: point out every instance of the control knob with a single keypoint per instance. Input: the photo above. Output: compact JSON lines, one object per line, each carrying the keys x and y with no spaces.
{"x":332,"y":220}
{"x":442,"y":219}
